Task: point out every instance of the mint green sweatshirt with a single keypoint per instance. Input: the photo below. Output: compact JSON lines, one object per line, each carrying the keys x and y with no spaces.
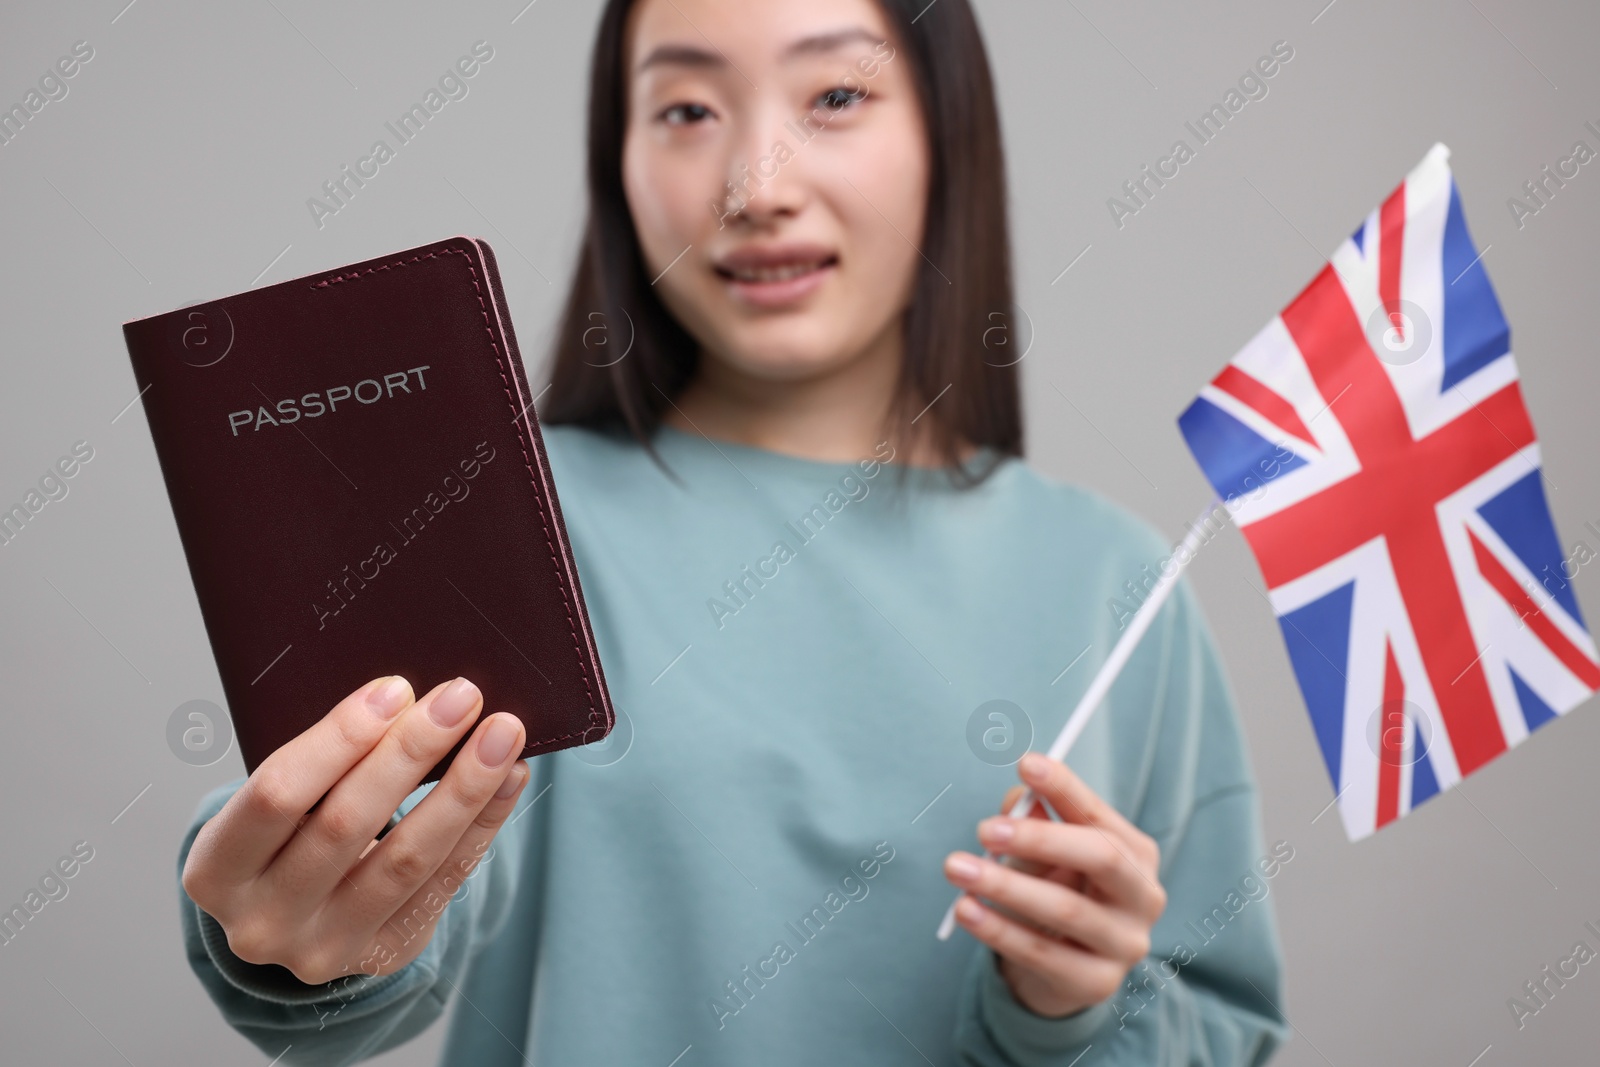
{"x":749,"y":869}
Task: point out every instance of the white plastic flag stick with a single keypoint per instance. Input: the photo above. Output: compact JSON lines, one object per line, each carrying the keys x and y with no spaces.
{"x":1107,"y":674}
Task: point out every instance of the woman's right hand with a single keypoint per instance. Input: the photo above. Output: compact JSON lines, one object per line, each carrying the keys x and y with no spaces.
{"x":314,"y":891}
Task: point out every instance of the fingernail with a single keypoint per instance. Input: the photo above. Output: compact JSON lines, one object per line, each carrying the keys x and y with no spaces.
{"x":998,"y":831}
{"x":451,"y":706}
{"x":1033,"y":766}
{"x":495,"y":744}
{"x":962,"y":868}
{"x":513,"y":779}
{"x":969,"y":911}
{"x":388,"y":697}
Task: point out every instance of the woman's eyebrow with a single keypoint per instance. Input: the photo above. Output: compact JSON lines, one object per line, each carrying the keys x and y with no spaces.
{"x":686,"y":55}
{"x":694,"y":56}
{"x":827,"y":42}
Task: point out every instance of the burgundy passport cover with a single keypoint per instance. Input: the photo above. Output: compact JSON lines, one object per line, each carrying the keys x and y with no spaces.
{"x":361,"y":489}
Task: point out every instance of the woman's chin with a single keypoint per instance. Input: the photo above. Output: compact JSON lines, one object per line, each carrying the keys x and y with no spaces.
{"x":787,"y":366}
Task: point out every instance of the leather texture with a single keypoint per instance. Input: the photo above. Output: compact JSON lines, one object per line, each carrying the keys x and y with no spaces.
{"x":408,"y":527}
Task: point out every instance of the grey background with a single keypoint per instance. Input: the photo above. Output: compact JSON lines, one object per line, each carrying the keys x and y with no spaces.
{"x":178,"y":167}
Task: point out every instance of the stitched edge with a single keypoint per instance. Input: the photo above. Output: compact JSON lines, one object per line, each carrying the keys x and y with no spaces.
{"x":533,"y":478}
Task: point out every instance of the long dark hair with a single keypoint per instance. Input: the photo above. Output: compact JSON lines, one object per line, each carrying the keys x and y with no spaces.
{"x":620,"y":357}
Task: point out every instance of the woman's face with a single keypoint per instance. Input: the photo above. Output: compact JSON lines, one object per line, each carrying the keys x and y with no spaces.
{"x":806,"y":261}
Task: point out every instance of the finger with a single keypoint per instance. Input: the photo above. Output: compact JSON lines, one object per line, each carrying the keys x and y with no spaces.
{"x":412,"y":853}
{"x":259,"y":819}
{"x":1035,"y":810}
{"x":421,"y":911}
{"x":1013,"y":795}
{"x":1092,"y":977}
{"x":1082,"y":849}
{"x":1053,"y":907}
{"x":1070,"y":796}
{"x":361,"y":802}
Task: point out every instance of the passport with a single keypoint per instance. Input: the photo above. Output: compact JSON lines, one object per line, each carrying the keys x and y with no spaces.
{"x":360,"y":487}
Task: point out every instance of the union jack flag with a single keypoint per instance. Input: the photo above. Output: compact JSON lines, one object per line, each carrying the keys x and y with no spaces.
{"x":1373,"y":447}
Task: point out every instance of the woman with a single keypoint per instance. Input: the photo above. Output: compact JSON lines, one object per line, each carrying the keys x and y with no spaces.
{"x":790,"y":467}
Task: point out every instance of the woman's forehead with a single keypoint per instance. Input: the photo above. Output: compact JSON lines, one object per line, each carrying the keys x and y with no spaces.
{"x":724,"y":34}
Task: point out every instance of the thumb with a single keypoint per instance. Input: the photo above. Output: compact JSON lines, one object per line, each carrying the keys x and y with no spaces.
{"x":1036,"y":810}
{"x":1012,"y":796}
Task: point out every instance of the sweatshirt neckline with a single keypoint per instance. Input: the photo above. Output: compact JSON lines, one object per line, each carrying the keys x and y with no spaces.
{"x":770,"y":461}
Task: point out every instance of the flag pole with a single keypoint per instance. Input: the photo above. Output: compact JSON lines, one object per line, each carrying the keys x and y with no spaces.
{"x":1103,"y":679}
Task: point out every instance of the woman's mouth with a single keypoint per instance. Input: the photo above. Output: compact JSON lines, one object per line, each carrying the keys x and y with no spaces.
{"x":775,"y":284}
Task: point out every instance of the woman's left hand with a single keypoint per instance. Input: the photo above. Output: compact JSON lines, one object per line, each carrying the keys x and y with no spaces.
{"x":1074,"y":916}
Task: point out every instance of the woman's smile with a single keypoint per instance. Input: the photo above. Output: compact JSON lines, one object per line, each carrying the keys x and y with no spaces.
{"x":773,"y":277}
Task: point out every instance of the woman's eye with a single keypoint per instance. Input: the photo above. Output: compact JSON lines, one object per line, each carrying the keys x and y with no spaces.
{"x":685,"y":114}
{"x":839,"y":97}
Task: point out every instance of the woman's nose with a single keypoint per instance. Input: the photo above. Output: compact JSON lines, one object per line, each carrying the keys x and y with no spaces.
{"x":765,"y":175}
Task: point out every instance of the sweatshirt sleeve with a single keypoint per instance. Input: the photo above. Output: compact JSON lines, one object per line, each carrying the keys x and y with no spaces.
{"x":1209,"y":994}
{"x":359,"y":1016}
